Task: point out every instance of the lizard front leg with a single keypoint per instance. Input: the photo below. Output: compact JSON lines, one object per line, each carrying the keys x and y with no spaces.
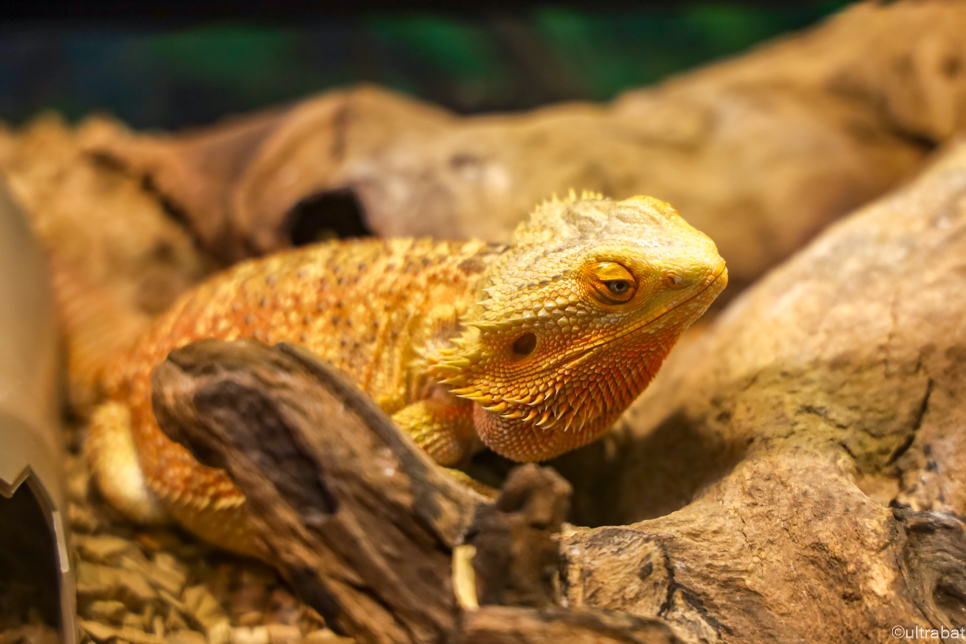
{"x":442,"y":428}
{"x":445,"y":430}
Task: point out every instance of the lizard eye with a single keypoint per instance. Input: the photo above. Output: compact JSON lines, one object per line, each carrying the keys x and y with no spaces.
{"x":618,"y":287}
{"x":612,"y":283}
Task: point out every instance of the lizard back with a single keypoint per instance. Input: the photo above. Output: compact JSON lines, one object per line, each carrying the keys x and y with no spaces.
{"x":372,"y":308}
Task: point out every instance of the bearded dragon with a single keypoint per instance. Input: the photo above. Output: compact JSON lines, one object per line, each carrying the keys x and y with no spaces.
{"x":532,"y":348}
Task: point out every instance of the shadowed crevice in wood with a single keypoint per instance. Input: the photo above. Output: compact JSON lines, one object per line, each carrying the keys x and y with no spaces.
{"x":335,"y":214}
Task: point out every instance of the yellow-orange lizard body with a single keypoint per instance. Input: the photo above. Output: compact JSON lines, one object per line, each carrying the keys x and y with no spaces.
{"x":534,"y":348}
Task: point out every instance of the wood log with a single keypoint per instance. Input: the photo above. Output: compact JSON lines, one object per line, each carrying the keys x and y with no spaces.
{"x":362,"y":526}
{"x":517,"y":542}
{"x":362,"y":523}
{"x":813,"y":440}
{"x":760,"y":153}
{"x":117,"y":259}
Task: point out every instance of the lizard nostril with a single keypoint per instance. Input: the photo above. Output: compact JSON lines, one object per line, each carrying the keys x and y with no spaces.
{"x":672,"y":279}
{"x":525,"y":344}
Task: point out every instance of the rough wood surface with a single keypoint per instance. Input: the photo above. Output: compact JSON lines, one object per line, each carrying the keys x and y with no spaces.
{"x":117,"y":257}
{"x":814,"y":437}
{"x":760,"y":153}
{"x":361,"y":525}
{"x":361,"y":522}
{"x":517,"y":542}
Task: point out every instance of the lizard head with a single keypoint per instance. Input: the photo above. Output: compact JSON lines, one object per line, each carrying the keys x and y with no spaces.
{"x":575,"y":318}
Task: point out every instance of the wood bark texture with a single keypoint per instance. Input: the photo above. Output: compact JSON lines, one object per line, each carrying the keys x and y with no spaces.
{"x":117,"y":258}
{"x":362,"y":523}
{"x":799,"y":467}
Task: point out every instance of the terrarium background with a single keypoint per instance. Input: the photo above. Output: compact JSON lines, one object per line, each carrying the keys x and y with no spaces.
{"x":156,"y":67}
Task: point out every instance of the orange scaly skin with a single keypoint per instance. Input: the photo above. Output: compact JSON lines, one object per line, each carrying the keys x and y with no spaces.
{"x":535,"y":348}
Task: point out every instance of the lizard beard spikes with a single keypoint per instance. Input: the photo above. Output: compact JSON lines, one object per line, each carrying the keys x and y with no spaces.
{"x":520,"y":440}
{"x":538,"y":411}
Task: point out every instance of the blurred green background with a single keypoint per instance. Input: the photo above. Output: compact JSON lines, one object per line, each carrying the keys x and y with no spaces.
{"x":190,"y":74}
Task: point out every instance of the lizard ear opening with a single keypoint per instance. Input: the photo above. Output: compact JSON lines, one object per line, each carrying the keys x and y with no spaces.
{"x":525,"y":344}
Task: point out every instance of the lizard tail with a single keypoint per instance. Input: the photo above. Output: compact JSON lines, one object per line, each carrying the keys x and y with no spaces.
{"x":114,"y":464}
{"x":112,"y":455}
{"x":97,"y":327}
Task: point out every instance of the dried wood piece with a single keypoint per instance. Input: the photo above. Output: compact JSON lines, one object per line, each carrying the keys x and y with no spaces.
{"x":934,"y":554}
{"x":516,"y":544}
{"x":834,"y":387}
{"x":107,"y":611}
{"x":102,"y":548}
{"x":186,"y":637}
{"x":362,"y":522}
{"x":201,"y":607}
{"x":324,"y":637}
{"x":30,"y":634}
{"x":117,"y":256}
{"x":102,"y":582}
{"x":103,"y":633}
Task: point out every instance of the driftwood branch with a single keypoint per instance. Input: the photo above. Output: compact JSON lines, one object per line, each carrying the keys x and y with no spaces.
{"x":360,"y":521}
{"x":362,"y":524}
{"x":517,"y":543}
{"x":504,"y":625}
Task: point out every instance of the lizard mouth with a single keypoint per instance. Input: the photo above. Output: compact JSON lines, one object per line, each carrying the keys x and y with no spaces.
{"x":580,"y":354}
